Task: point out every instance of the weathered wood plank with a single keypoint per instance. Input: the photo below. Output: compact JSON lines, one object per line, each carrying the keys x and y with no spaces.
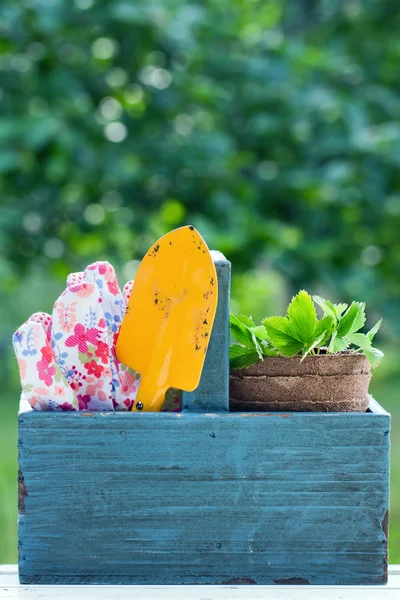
{"x":213,"y":390}
{"x":203,"y":498}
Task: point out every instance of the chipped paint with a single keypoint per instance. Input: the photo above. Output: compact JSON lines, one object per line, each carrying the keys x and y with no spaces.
{"x":292,"y":581}
{"x":174,"y":468}
{"x":239,"y":581}
{"x":385,"y":524}
{"x":385,"y":530}
{"x":22,"y":493}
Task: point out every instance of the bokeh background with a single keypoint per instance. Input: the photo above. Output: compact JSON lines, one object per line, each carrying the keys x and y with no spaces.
{"x":273,"y":126}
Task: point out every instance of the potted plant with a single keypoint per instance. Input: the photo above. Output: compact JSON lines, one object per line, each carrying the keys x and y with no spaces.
{"x":301,"y":363}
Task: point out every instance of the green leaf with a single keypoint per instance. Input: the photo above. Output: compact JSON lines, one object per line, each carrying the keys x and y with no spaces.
{"x":313,"y":345}
{"x":352,"y":320}
{"x":359,"y":320}
{"x":260,"y":332}
{"x":360,"y":340}
{"x":340,"y":308}
{"x":335,"y":310}
{"x":324,"y":328}
{"x":261,"y":342}
{"x":373,"y":355}
{"x":257,"y":347}
{"x":245,"y":320}
{"x":372,"y":332}
{"x":241,"y":358}
{"x":327,"y":306}
{"x":279,"y":332}
{"x":241,"y":333}
{"x":332,"y":342}
{"x":267,"y":348}
{"x":302,"y":316}
{"x":339,"y":344}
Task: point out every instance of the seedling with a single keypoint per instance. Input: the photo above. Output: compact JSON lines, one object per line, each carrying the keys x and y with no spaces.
{"x":301,"y":332}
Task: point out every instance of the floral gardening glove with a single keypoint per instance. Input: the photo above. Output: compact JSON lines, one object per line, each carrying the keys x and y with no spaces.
{"x":80,"y":344}
{"x":43,"y":383}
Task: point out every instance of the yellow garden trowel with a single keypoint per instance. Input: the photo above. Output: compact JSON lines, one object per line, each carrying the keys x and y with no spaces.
{"x":167,"y":326}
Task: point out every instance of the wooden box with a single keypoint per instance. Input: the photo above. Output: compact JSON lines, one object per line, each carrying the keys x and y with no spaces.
{"x":162,"y":498}
{"x":204,"y":496}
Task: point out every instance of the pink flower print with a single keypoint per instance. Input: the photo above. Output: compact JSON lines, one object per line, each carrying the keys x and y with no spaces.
{"x":128,"y":383}
{"x":44,"y":319}
{"x":66,"y":406}
{"x":74,"y":278}
{"x":93,"y":368}
{"x":81,"y":336}
{"x":129,"y":403}
{"x":76,"y":379}
{"x":33,"y":401}
{"x":45,"y":370}
{"x":113,"y":287}
{"x":82,"y":290}
{"x":83,"y":401}
{"x":67,"y":315}
{"x":47,"y":353}
{"x":59,"y":390}
{"x":107,"y":270}
{"x":40,"y":391}
{"x":103,"y":352}
{"x":127,"y":291}
{"x":95,"y":388}
{"x":22,"y":368}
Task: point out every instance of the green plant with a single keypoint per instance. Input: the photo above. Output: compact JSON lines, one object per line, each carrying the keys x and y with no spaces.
{"x":301,"y":332}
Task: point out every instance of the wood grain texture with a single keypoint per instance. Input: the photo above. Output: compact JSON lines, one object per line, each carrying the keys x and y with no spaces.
{"x":213,"y":390}
{"x":164,"y":498}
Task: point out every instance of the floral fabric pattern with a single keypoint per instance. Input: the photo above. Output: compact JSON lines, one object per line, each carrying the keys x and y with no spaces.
{"x":127,"y":291}
{"x":45,"y":320}
{"x":43,"y":383}
{"x":103,"y":275}
{"x":81,"y":337}
{"x":67,"y":360}
{"x":82,"y":349}
{"x":74,"y":278}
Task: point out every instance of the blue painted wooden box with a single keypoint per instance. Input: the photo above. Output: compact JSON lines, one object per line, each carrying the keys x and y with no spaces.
{"x":204,"y":496}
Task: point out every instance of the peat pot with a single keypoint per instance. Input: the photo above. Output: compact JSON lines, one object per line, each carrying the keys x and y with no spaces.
{"x":323,"y":383}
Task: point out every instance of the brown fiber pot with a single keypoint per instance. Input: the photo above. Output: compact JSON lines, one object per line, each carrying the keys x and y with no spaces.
{"x":326,"y":383}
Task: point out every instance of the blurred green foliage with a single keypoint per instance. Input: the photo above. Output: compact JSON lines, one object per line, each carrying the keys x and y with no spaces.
{"x":271,"y":125}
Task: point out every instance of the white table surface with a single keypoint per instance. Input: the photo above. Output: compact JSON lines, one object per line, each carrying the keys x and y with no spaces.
{"x":10,"y":589}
